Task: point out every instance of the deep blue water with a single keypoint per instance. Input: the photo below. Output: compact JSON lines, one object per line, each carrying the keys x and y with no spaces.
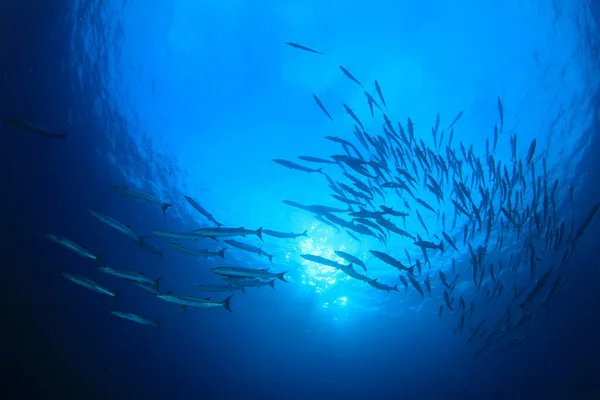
{"x":196,"y":98}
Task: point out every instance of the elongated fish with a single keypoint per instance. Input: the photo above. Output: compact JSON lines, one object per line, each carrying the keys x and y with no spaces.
{"x":136,"y":318}
{"x":380,"y":93}
{"x":391,"y":261}
{"x":322,"y":107}
{"x":227,"y":232}
{"x":249,"y":248}
{"x":140,"y":195}
{"x":353,"y":259}
{"x":284,"y":235}
{"x":119,"y":226}
{"x":33,"y":128}
{"x":220,"y":288}
{"x":188,"y":301}
{"x":92,"y":285}
{"x":241,"y":272}
{"x":293,"y":165}
{"x":131,"y":276}
{"x":350,"y":76}
{"x":301,"y":47}
{"x":192,"y":202}
{"x":246,"y":282}
{"x":177,"y":235}
{"x":197,"y":253}
{"x":82,"y":251}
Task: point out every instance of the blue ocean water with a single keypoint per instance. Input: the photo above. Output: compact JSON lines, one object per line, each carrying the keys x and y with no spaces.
{"x":197,"y":98}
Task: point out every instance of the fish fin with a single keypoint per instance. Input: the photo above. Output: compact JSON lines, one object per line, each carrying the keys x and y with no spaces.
{"x":281,"y":276}
{"x":259,"y":234}
{"x":226,"y":303}
{"x":272,"y":283}
{"x":270,"y":257}
{"x":141,"y":241}
{"x":305,"y":233}
{"x":222,"y":252}
{"x":164,"y":207}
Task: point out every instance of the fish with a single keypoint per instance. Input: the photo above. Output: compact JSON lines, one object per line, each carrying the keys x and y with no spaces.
{"x":316,"y":160}
{"x":450,"y":241}
{"x":39,"y":130}
{"x":391,"y":261}
{"x":220,"y":288}
{"x":322,"y":107}
{"x":249,"y":248}
{"x":197,"y":253}
{"x":187,"y":301}
{"x":501,"y":113}
{"x":301,"y":47}
{"x":82,"y":251}
{"x":352,"y":259}
{"x":92,"y":285}
{"x":350,"y":76}
{"x":284,"y":235}
{"x":198,"y":207}
{"x":379,"y":93}
{"x":136,"y":318}
{"x":140,"y":195}
{"x":131,"y":276}
{"x":245,"y":282}
{"x":227,"y":232}
{"x":177,"y":235}
{"x":293,"y":165}
{"x":242,"y":272}
{"x":119,"y":226}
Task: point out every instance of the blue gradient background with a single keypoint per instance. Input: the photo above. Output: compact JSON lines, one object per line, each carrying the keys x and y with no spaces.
{"x":195,"y":97}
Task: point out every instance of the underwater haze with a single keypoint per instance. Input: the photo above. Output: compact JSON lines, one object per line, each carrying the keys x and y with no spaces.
{"x":300,"y":200}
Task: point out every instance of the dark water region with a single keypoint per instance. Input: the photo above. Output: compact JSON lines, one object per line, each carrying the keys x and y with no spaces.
{"x":196,"y":99}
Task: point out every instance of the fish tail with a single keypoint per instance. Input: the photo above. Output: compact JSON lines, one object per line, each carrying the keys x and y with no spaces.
{"x":305,"y":233}
{"x":164,"y":207}
{"x":157,"y":325}
{"x":411,"y":270}
{"x":63,"y":135}
{"x":161,"y":254}
{"x":243,"y":289}
{"x":442,"y":246}
{"x":222,"y":252}
{"x":281,"y":276}
{"x":226,"y":303}
{"x":320,"y":170}
{"x":117,"y":294}
{"x":272,"y":284}
{"x":98,"y":259}
{"x":259,"y":233}
{"x":270,"y":257}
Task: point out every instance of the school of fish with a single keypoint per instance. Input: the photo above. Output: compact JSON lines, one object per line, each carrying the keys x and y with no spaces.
{"x":497,"y":236}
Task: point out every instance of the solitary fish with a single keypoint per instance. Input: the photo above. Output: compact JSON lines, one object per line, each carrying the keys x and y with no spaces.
{"x":136,"y":318}
{"x":293,"y":165}
{"x":33,"y":128}
{"x":300,"y":47}
{"x":188,"y":301}
{"x":131,"y":276}
{"x":379,"y":93}
{"x":353,"y":259}
{"x":241,"y":272}
{"x":202,"y":210}
{"x":140,"y":195}
{"x":322,"y":107}
{"x":249,"y":248}
{"x":350,"y":76}
{"x":284,"y":235}
{"x":92,"y":285}
{"x":82,"y":251}
{"x":118,"y":225}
